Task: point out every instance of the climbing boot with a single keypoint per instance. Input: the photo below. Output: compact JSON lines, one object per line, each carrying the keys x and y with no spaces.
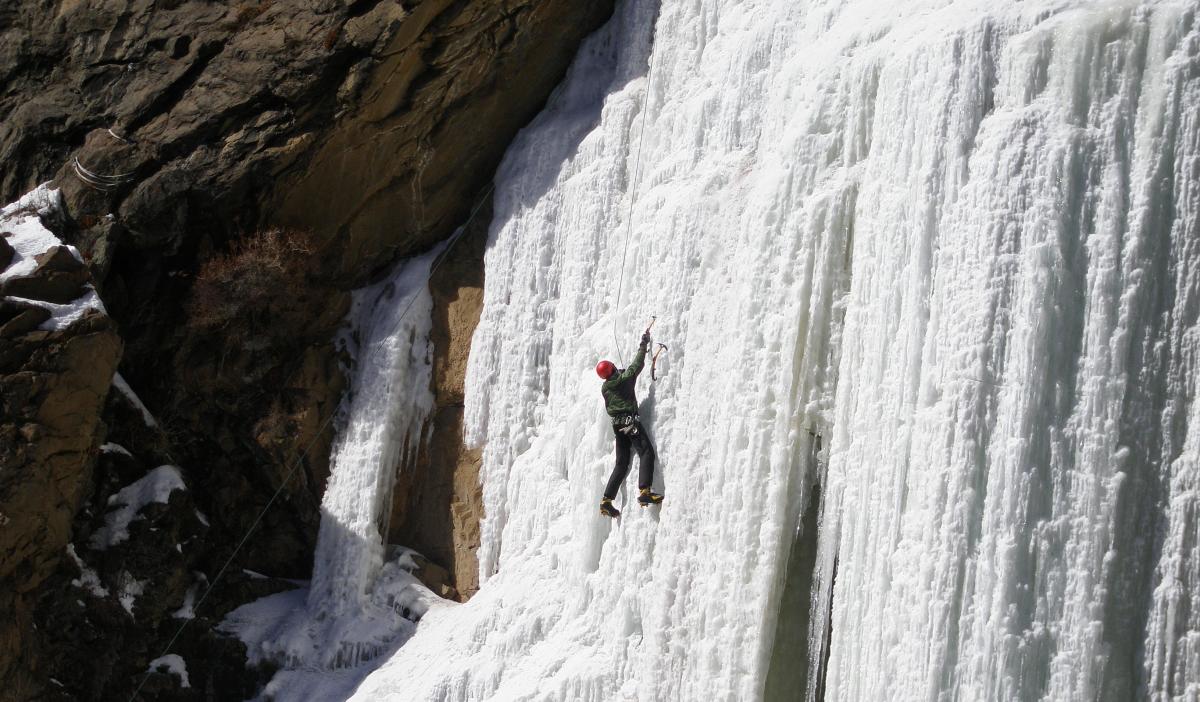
{"x":647,"y":497}
{"x":607,"y":509}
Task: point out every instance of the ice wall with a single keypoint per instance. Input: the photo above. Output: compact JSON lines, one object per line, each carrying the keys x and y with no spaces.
{"x":953,"y":241}
{"x":382,"y":425}
{"x":1017,"y":365}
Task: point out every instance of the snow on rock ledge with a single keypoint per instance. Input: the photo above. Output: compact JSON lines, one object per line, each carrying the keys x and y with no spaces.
{"x":56,"y":367}
{"x":41,"y":271}
{"x":171,"y":664}
{"x":154,"y":487}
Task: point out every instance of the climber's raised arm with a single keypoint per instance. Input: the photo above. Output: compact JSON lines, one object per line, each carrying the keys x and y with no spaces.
{"x":638,"y":362}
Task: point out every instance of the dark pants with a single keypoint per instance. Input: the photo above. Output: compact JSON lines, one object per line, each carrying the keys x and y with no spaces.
{"x":635,"y":436}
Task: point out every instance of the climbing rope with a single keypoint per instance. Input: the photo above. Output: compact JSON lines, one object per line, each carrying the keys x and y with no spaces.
{"x":637,"y":173}
{"x":124,"y":140}
{"x":441,"y":258}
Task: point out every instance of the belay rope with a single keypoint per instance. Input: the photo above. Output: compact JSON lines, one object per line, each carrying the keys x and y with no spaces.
{"x":637,"y":174}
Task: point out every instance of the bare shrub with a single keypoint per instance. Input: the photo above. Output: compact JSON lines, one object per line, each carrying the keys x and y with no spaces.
{"x":331,"y":38}
{"x":249,"y":11}
{"x":267,"y":281}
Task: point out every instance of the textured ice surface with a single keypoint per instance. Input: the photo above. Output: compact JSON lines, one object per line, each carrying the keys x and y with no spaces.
{"x":390,"y":399}
{"x":956,"y":239}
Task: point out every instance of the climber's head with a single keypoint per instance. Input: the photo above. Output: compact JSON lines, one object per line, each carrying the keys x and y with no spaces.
{"x":605,"y":369}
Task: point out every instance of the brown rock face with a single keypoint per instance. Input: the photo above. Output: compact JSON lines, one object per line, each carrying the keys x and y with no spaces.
{"x":176,"y":128}
{"x":438,"y":502}
{"x":452,"y":85}
{"x":52,"y":387}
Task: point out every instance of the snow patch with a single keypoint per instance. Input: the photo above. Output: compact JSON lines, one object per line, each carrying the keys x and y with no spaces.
{"x":173,"y":664}
{"x":88,"y":579}
{"x":31,"y":238}
{"x":154,"y":487}
{"x":110,"y":447}
{"x":187,"y":610}
{"x":129,"y":589}
{"x":120,"y":384}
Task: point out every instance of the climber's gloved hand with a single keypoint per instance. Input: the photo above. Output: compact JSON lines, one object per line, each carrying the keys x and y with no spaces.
{"x":645,"y":339}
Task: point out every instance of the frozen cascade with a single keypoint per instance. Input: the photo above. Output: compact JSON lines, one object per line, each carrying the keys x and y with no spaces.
{"x":362,"y":601}
{"x":390,"y":400}
{"x":934,"y":258}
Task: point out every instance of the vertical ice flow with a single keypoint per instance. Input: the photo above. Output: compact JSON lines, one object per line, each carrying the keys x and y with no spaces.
{"x":387,"y":408}
{"x":958,"y":241}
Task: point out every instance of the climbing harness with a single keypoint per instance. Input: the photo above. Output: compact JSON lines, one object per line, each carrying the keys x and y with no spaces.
{"x":637,"y":174}
{"x":624,"y":420}
{"x":626,"y":424}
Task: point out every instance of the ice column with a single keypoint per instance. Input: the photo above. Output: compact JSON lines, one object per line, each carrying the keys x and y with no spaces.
{"x":1011,"y":437}
{"x":388,"y":404}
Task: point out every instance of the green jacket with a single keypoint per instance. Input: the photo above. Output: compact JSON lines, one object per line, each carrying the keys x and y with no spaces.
{"x":618,"y":391}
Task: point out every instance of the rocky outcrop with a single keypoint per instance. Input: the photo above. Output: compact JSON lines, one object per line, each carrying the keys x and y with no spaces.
{"x":52,"y":388}
{"x":59,"y":277}
{"x":447,"y":90}
{"x":6,"y":251}
{"x":131,"y":582}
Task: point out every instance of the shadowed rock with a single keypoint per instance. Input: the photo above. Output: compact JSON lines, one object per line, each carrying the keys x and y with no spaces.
{"x":18,"y":317}
{"x":6,"y":251}
{"x":59,"y":278}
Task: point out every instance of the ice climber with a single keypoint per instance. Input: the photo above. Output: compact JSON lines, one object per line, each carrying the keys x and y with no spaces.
{"x":621,"y":403}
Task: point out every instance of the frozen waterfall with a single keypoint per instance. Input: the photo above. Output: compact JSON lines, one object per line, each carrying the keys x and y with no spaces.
{"x":928,"y":276}
{"x":363,"y":601}
{"x":385,"y":414}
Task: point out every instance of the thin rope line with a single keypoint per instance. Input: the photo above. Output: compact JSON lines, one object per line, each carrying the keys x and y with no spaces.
{"x":441,"y":258}
{"x":637,"y":175}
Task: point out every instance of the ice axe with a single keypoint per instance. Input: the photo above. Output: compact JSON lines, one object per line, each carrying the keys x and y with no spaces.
{"x":654,"y":360}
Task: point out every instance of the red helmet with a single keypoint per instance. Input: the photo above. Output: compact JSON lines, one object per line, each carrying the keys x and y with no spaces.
{"x":605,"y":369}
